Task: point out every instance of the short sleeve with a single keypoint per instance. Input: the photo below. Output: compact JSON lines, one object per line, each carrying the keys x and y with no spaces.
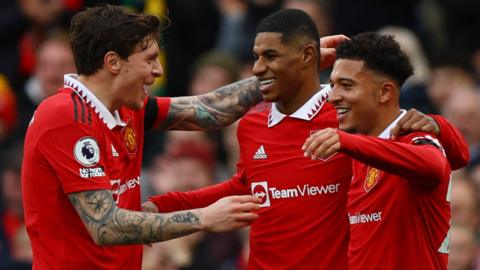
{"x":156,"y":111}
{"x":77,"y":155}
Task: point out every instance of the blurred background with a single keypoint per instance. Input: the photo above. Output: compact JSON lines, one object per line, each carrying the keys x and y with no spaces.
{"x":208,"y":45}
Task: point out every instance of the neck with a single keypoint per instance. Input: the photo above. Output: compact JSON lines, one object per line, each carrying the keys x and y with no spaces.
{"x":101,"y":86}
{"x":387,"y":116}
{"x":303,"y":93}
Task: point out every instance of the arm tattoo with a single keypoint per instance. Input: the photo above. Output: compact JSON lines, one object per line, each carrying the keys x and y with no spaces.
{"x":110,"y":225}
{"x":213,"y":110}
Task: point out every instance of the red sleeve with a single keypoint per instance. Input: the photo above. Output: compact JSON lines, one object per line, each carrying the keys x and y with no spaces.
{"x":424,"y":164}
{"x":155,"y":111}
{"x":176,"y":201}
{"x":77,"y":155}
{"x":163,"y":104}
{"x":453,"y":142}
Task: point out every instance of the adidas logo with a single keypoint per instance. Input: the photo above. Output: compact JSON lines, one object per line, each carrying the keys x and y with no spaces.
{"x":260,"y":154}
{"x":114,"y":151}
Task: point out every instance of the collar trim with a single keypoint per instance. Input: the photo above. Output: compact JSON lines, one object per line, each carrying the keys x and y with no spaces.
{"x":71,"y":81}
{"x":386,"y":134}
{"x":308,"y":110}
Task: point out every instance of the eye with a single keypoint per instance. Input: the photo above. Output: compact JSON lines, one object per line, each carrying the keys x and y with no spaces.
{"x":347,"y":86}
{"x":271,"y":57}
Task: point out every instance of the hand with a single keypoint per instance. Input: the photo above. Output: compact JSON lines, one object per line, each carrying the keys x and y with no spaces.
{"x":229,"y":213}
{"x":328,"y":47}
{"x":414,"y":121}
{"x":150,"y":207}
{"x":322,"y":144}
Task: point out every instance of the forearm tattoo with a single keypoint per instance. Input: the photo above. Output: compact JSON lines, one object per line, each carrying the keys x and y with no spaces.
{"x":110,"y":225}
{"x":213,"y":110}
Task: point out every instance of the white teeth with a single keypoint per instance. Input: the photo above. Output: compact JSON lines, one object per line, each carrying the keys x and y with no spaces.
{"x":265,"y":83}
{"x":342,"y":110}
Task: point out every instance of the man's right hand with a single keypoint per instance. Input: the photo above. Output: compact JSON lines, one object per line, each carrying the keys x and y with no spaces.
{"x":229,"y":213}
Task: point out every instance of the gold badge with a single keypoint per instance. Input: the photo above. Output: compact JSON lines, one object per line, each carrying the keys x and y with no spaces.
{"x":371,"y":179}
{"x":130,"y":138}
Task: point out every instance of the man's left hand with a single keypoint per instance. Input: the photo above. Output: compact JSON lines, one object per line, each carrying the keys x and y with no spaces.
{"x":328,"y":47}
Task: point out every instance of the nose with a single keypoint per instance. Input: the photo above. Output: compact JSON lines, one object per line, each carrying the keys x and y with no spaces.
{"x":334,"y":96}
{"x":259,"y":67}
{"x":157,"y":69}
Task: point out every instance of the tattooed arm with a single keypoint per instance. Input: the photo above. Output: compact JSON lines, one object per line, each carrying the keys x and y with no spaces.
{"x":111,"y":225}
{"x":215,"y":109}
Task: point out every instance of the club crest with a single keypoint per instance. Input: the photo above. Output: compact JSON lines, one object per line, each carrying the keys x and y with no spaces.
{"x":130,"y":138}
{"x":371,"y":179}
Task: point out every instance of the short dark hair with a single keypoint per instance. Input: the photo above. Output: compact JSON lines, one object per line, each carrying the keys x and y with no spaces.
{"x":381,"y":53}
{"x":292,"y":24}
{"x":97,"y":30}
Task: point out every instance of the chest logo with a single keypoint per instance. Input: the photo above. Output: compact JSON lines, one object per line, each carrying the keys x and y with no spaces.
{"x":260,"y":154}
{"x":260,"y":190}
{"x":371,"y":179}
{"x":130,"y":138}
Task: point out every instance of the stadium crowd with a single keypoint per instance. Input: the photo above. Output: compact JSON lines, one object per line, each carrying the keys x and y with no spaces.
{"x":207,"y":45}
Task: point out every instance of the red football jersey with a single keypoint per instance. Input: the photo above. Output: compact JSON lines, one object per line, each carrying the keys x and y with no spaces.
{"x":303,"y":222}
{"x":75,"y":144}
{"x":398,"y":203}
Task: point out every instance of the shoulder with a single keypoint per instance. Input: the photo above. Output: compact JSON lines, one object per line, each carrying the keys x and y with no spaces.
{"x":63,"y":108}
{"x":421,"y":138}
{"x":258,"y":113}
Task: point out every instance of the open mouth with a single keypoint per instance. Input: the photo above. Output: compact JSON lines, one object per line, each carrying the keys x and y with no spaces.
{"x":146,"y":88}
{"x":264,"y":84}
{"x":341,"y":111}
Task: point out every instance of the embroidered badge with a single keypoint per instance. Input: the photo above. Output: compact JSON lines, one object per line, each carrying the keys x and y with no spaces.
{"x":130,"y":138}
{"x":371,"y":179}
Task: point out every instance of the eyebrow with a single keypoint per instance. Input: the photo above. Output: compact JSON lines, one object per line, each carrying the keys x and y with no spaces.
{"x":266,"y":51}
{"x":344,"y":80}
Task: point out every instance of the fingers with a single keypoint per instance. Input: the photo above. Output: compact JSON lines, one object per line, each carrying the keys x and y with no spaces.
{"x":326,"y":149}
{"x":245,"y":199}
{"x":322,"y":144}
{"x":149,"y":206}
{"x":415,"y":121}
{"x":246,"y":217}
{"x":332,"y":41}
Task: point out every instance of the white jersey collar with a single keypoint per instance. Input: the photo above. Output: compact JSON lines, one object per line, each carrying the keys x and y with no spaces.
{"x":387,"y":132}
{"x":306,"y":112}
{"x":70,"y":81}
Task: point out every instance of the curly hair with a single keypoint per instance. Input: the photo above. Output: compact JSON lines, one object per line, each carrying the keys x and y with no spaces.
{"x":380,"y":53}
{"x":97,"y":30}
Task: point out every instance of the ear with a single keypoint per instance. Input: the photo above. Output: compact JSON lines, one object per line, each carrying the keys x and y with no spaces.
{"x":388,"y":91}
{"x":112,"y":62}
{"x":308,"y":55}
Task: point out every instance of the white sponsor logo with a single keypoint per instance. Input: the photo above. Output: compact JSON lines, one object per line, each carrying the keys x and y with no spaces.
{"x":118,"y":189}
{"x":260,"y":154}
{"x":259,"y":190}
{"x":262,"y":191}
{"x":358,"y":218}
{"x":91,"y":172}
{"x":86,"y":151}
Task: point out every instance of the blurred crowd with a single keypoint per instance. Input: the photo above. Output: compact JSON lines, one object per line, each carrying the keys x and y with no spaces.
{"x":207,"y":45}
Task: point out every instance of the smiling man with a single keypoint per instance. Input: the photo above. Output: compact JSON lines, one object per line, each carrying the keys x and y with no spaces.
{"x":398,"y":202}
{"x":303,"y":221}
{"x":83,"y":149}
